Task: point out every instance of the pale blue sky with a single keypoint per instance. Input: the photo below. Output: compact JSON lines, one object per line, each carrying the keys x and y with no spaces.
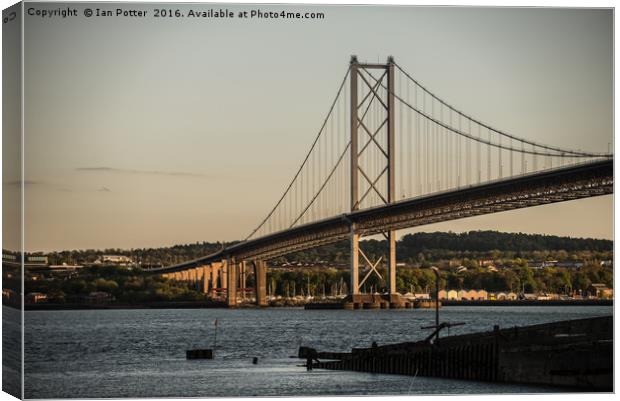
{"x":157,"y":132}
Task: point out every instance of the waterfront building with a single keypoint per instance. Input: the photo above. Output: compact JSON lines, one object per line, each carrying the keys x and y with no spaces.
{"x":463,"y":295}
{"x":31,"y":262}
{"x":119,"y":260}
{"x":482,"y":295}
{"x":9,"y":295}
{"x":64,"y":267}
{"x":452,"y":295}
{"x":98,"y":298}
{"x":35,"y":297}
{"x":599,"y":290}
{"x":569,"y":265}
{"x":443,"y":294}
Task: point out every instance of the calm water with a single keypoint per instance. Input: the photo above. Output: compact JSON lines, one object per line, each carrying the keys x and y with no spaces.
{"x":141,"y":353}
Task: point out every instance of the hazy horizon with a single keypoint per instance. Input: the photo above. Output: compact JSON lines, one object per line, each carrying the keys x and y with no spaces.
{"x":145,"y":133}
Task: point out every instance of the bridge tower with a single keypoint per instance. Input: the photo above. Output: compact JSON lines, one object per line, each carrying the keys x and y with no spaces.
{"x":365,"y":90}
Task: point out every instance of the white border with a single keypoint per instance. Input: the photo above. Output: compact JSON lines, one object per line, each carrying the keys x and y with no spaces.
{"x":482,"y":3}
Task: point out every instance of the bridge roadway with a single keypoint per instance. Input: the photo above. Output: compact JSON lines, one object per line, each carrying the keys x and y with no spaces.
{"x":550,"y":186}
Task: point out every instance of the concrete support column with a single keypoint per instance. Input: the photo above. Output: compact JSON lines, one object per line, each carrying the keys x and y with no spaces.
{"x":216,"y":268}
{"x":192,"y":277}
{"x":355,"y":250}
{"x":198,"y":283}
{"x":206,"y":278}
{"x":260,"y":282}
{"x":224,"y":274}
{"x":231,"y":275}
{"x":242,"y":279}
{"x":391,"y":262}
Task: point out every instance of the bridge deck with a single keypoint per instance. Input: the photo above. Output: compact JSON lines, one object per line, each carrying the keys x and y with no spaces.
{"x":550,"y":186}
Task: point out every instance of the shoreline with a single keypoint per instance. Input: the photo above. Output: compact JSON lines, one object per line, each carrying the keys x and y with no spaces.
{"x":222,"y":305}
{"x":524,"y":302}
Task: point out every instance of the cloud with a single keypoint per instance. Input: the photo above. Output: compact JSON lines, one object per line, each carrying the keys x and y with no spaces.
{"x":40,"y":185}
{"x":27,"y":182}
{"x":105,"y":189}
{"x":143,"y":172}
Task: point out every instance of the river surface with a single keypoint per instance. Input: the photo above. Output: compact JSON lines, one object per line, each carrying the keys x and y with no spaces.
{"x":141,"y":353}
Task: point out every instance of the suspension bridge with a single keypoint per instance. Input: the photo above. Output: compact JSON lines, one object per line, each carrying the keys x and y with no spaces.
{"x":390,"y":154}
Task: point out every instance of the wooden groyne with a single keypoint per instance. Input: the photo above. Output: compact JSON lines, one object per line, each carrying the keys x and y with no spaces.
{"x":573,"y":353}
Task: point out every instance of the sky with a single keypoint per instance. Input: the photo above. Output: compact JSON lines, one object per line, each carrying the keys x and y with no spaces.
{"x":145,"y":132}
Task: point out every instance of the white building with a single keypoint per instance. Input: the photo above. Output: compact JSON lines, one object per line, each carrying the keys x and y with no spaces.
{"x":120,"y":260}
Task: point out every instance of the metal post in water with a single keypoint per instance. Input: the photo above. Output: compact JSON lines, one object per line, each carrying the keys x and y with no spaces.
{"x":436,"y":270}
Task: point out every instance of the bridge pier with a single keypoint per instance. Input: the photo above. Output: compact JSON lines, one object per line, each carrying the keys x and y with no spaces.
{"x":260,"y":282}
{"x":391,"y":262}
{"x":224,"y":275}
{"x":192,"y":278}
{"x":199,"y":278}
{"x":242,"y":279}
{"x":231,"y":274}
{"x":206,"y":276}
{"x":354,"y":287}
{"x":216,"y":268}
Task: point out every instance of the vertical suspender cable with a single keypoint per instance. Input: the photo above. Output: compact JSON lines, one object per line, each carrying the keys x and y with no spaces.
{"x":489,"y":156}
{"x":426,"y":122}
{"x":418,"y":172}
{"x":433,"y":146}
{"x":511,"y":155}
{"x":409,"y":141}
{"x":441,"y":149}
{"x":478,"y":156}
{"x":400,"y":142}
{"x":499,"y":151}
{"x":469,"y":159}
{"x":458,"y":155}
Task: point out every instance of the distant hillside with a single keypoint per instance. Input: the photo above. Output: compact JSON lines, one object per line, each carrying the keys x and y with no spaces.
{"x":483,"y":241}
{"x":439,"y":244}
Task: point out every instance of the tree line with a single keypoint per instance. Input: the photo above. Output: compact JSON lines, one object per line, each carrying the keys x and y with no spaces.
{"x":410,"y":248}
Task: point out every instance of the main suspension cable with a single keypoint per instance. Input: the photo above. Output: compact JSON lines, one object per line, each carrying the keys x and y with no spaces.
{"x":307,"y":156}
